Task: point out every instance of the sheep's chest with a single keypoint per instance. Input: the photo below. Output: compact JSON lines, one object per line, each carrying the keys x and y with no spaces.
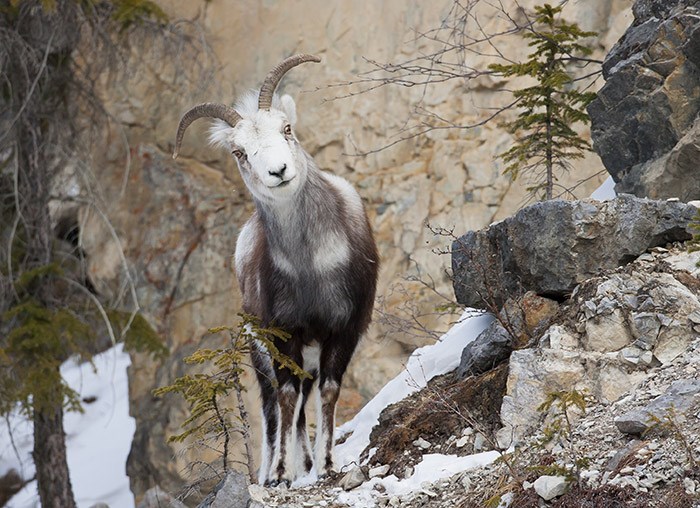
{"x":312,"y":284}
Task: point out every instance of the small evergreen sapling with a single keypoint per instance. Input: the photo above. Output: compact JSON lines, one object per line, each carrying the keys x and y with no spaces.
{"x":544,"y":134}
{"x":211,"y":420}
{"x":561,"y":405}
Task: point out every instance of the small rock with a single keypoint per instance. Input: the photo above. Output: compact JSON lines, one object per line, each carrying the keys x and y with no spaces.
{"x":694,"y":317}
{"x":422,"y":443}
{"x":462,"y":441}
{"x":631,"y":448}
{"x":466,"y":483}
{"x":429,"y":493}
{"x":231,"y":491}
{"x":681,"y":395}
{"x":689,"y":485}
{"x":491,"y":347}
{"x":379,"y":471}
{"x":408,"y":472}
{"x":258,"y":493}
{"x":549,"y":487}
{"x":155,"y":497}
{"x":479,"y":442}
{"x":354,"y":478}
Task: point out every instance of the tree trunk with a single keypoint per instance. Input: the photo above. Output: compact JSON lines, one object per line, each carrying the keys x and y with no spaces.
{"x":549,"y":155}
{"x":50,"y":460}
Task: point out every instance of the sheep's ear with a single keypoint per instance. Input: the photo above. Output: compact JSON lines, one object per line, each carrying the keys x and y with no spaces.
{"x":219,"y":134}
{"x":289,"y":108}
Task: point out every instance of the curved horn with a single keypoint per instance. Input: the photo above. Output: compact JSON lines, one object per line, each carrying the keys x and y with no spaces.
{"x":206,"y":110}
{"x":274,"y":76}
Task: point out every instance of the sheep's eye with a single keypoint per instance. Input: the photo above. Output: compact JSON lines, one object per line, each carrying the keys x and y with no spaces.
{"x":287,"y":130}
{"x":238,"y":154}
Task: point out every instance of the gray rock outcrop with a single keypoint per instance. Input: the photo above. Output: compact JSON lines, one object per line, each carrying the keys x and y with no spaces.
{"x":550,"y":247}
{"x":644,"y":122}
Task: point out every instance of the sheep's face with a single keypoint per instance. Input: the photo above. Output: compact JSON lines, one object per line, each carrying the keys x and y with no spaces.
{"x":268,"y":155}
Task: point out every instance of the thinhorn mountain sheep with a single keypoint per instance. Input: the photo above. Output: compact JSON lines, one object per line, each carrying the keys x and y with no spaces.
{"x":306,"y":261}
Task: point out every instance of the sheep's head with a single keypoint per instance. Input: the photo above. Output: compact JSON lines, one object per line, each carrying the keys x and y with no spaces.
{"x":260,"y":138}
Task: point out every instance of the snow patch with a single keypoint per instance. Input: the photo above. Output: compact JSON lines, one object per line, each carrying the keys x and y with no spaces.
{"x":432,"y":468}
{"x":424,"y":364}
{"x":606,"y":191}
{"x":98,"y":440}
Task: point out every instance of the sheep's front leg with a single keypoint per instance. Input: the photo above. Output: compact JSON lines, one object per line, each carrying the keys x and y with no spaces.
{"x":328,"y":393}
{"x":289,"y":400}
{"x":304,"y":461}
{"x":335,"y":357}
{"x":270,"y":408}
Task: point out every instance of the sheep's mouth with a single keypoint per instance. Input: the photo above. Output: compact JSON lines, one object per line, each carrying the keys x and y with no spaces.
{"x":283,"y":183}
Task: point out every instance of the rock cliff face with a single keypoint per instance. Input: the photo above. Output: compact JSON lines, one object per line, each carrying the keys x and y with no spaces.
{"x":177,"y":223}
{"x":645,"y":122}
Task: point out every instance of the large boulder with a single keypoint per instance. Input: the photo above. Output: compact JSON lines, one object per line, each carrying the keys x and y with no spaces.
{"x":552,"y":246}
{"x":644,"y":122}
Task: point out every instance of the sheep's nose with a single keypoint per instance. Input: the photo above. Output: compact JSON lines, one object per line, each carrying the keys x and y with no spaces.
{"x":280,"y":172}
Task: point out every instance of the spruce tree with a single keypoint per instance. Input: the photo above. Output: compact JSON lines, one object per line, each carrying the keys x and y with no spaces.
{"x":48,"y":310}
{"x":545,"y":138}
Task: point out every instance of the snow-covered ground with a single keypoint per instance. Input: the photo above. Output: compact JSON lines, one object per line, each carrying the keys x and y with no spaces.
{"x":98,"y":440}
{"x":424,"y":364}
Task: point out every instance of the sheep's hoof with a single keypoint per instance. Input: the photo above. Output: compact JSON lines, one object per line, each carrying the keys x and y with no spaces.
{"x":279,"y":483}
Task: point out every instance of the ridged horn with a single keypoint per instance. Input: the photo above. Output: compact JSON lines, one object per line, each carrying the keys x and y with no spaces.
{"x":206,"y":110}
{"x":275,"y":75}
